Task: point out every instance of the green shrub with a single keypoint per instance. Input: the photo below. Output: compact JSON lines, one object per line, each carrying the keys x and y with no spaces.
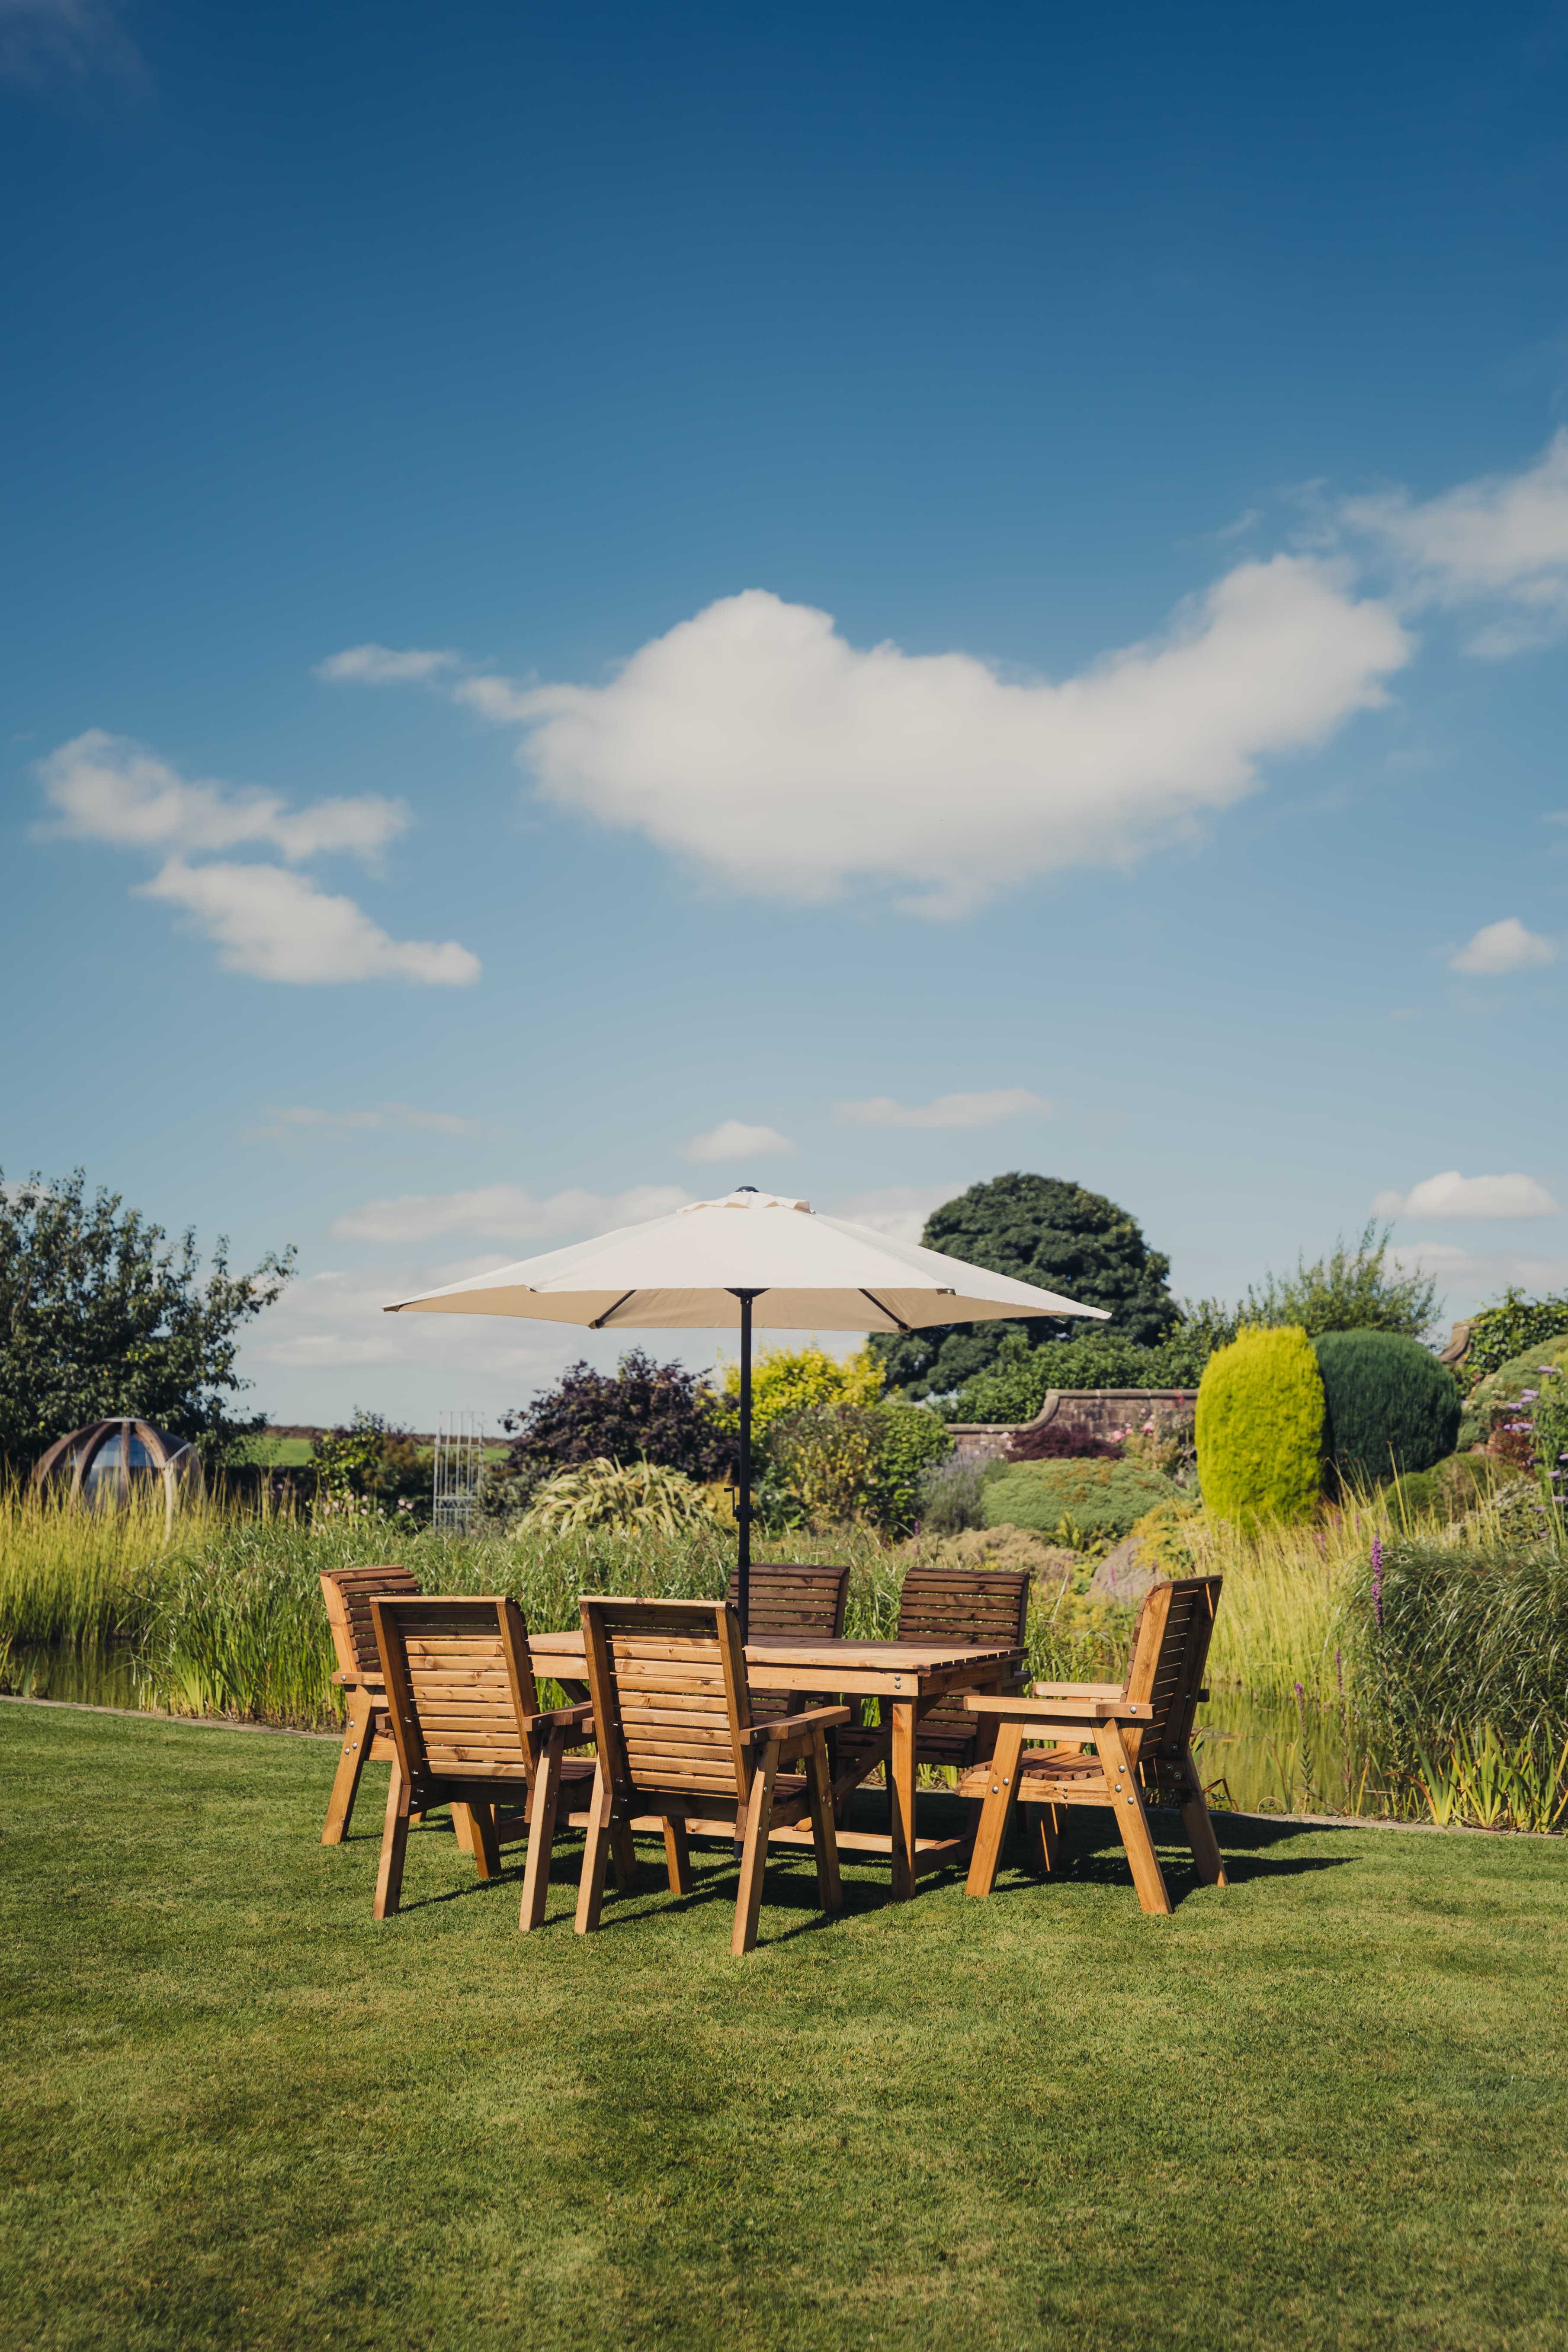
{"x":1101,"y":1499}
{"x":1260,"y":1427}
{"x":1448,"y":1491}
{"x":1504,"y":1385}
{"x":1389,"y":1405}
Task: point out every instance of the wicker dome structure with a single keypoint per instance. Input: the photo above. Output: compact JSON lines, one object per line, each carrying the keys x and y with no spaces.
{"x":103,"y":1464}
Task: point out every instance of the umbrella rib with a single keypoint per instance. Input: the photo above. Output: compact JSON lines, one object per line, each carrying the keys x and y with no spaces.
{"x":599,"y":1321}
{"x":882,"y":1309}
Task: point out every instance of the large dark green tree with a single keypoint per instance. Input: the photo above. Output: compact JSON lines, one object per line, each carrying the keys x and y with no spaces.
{"x":101,"y":1314}
{"x":1043,"y":1230}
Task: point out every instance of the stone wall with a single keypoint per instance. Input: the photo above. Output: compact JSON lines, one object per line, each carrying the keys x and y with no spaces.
{"x":1095,"y":1411}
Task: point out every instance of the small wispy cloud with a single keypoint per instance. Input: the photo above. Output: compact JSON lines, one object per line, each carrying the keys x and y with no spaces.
{"x":946,"y":1112}
{"x":381,"y":1118}
{"x":1452,"y":1195}
{"x":733,"y":1140}
{"x":272,"y":924}
{"x":384,"y":666}
{"x":103,"y":788}
{"x":899,"y":1210}
{"x":1502,"y":537}
{"x":41,"y":40}
{"x":506,"y":1213}
{"x":268,"y":921}
{"x":1499,"y":948}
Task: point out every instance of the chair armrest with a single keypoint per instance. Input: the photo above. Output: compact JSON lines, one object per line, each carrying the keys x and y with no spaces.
{"x":1079,"y":1690}
{"x":1072,"y":1713}
{"x":578,"y":1719}
{"x":791,"y":1726}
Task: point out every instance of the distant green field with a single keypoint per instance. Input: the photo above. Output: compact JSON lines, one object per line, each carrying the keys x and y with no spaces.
{"x":295,"y":1453}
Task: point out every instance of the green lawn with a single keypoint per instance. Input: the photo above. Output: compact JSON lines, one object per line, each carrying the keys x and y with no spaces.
{"x":1323,"y":2107}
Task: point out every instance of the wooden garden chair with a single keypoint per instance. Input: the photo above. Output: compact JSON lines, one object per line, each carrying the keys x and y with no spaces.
{"x":1116,"y":1745}
{"x":979,"y":1609}
{"x":469,"y":1732}
{"x":367,"y":1735}
{"x":676,"y":1745}
{"x":791,"y":1600}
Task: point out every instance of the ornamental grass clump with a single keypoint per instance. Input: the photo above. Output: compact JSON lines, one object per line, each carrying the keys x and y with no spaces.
{"x":644,"y":1496}
{"x":1260,"y":1416}
{"x":1390,"y":1407}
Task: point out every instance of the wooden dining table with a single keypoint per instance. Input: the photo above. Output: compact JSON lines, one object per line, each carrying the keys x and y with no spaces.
{"x":908,"y":1677}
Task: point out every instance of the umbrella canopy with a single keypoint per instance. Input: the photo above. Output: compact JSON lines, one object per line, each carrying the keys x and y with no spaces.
{"x":708,"y":1266}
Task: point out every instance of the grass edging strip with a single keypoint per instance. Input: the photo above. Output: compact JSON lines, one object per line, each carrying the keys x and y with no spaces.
{"x":157,"y":1715}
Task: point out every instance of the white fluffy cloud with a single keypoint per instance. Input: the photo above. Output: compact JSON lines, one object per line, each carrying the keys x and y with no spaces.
{"x":102,"y":788}
{"x":275,"y":925}
{"x":1453,"y":1195}
{"x":946,"y":1112}
{"x":1503,"y":537}
{"x":756,"y":741}
{"x":506,"y":1213}
{"x":394,"y":1116}
{"x":381,"y":665}
{"x":733,"y":1140}
{"x":1503,"y":947}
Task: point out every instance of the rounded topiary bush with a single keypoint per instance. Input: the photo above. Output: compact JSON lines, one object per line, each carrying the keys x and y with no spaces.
{"x":1102,"y":1499}
{"x":1260,"y":1427}
{"x":1390,"y":1406}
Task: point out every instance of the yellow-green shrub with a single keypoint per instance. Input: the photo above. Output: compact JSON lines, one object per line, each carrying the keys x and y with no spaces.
{"x":796,"y":1380}
{"x":1260,"y":1427}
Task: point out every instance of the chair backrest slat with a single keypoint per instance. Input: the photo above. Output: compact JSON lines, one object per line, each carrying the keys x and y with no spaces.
{"x":1169,"y":1647}
{"x":668,"y":1684}
{"x":793,"y":1598}
{"x":348,"y":1593}
{"x":460,"y":1681}
{"x":987,"y":1607}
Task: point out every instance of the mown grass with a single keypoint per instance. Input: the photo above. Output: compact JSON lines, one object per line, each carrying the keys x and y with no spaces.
{"x":1327,"y":2106}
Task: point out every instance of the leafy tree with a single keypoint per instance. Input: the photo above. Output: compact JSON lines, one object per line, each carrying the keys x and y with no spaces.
{"x":643,"y":1412}
{"x":1043,"y":1230}
{"x":1356,"y":1289}
{"x":99,"y":1317}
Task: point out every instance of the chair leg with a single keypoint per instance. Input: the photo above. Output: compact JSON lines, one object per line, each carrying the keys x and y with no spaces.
{"x":596,"y":1848}
{"x":677,"y":1856}
{"x":624,"y":1858}
{"x":350,"y":1764}
{"x":823,"y":1835}
{"x":481,"y":1840}
{"x":993,"y":1830}
{"x":541,"y":1815}
{"x":759,"y":1819}
{"x":463,"y":1829}
{"x":1053,"y":1821}
{"x":1127,"y":1803}
{"x":394,"y":1846}
{"x":1200,"y":1830}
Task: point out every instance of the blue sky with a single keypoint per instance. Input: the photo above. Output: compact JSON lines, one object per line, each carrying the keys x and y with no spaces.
{"x":957,"y":588}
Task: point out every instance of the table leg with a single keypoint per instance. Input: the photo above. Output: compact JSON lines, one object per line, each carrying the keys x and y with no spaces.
{"x":902,"y":1799}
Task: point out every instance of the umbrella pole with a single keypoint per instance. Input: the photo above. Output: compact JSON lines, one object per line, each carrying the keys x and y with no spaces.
{"x":743,"y":1565}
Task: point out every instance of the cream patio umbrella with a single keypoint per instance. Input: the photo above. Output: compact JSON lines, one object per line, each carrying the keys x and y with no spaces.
{"x":706,"y":1266}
